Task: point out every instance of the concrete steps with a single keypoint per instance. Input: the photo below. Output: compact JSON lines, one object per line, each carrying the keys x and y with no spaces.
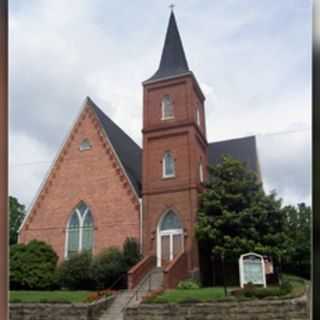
{"x":129,"y":298}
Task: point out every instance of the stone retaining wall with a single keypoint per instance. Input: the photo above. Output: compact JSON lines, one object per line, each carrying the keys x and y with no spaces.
{"x":59,"y":311}
{"x":294,"y":309}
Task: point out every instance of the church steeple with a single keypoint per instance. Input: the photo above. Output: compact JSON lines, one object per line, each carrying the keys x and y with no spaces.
{"x":173,"y":60}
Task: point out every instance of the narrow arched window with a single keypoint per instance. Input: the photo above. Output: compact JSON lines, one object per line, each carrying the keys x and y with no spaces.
{"x":79,"y":230}
{"x":168,"y":165}
{"x":198,"y":118}
{"x":201,"y":172}
{"x":167,"y":108}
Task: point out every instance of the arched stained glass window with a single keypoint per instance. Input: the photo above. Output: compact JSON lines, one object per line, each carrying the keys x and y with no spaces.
{"x":87,"y":232}
{"x":168,"y":166}
{"x":79,"y":230}
{"x":170,"y":221}
{"x":167,"y":108}
{"x":73,"y":234}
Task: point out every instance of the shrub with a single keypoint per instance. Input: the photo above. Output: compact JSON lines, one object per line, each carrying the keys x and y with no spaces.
{"x":17,"y":275}
{"x":188,"y":284}
{"x":285,"y":287}
{"x":32,"y":266}
{"x":74,"y":273}
{"x":251,"y":291}
{"x":94,"y":296}
{"x":131,"y":252}
{"x":107,"y":267}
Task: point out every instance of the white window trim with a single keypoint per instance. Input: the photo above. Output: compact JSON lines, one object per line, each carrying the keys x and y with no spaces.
{"x":167,"y":118}
{"x":164,"y":175}
{"x":163,"y":114}
{"x":201,"y":176}
{"x":198,"y":117}
{"x":81,"y":223}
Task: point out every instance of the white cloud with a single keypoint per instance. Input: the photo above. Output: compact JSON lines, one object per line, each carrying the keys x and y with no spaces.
{"x":28,"y":164}
{"x":252,"y":60}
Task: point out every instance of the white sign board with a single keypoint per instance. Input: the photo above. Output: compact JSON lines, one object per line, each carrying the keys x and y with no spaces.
{"x":252,"y":269}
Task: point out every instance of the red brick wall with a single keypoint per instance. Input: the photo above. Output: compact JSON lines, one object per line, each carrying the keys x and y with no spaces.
{"x":93,"y":176}
{"x":176,"y":271}
{"x":187,"y":143}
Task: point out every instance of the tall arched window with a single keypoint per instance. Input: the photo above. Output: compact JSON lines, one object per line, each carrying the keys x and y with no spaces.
{"x":79,"y":232}
{"x":168,"y":166}
{"x":167,"y":108}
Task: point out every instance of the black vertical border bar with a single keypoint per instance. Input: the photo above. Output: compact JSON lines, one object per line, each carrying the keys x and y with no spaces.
{"x":316,"y":161}
{"x":3,"y":159}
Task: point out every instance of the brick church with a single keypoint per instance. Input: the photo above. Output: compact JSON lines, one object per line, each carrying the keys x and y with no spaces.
{"x":103,"y":188}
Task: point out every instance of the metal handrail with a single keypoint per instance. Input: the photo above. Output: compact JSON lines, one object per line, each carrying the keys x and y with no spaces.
{"x":117,"y":281}
{"x":135,"y":294}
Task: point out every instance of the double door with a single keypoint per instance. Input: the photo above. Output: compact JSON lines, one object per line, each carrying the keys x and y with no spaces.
{"x":170,"y":245}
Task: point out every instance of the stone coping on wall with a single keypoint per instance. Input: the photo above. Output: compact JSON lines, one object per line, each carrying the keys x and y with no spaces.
{"x":59,"y":310}
{"x":281,"y":309}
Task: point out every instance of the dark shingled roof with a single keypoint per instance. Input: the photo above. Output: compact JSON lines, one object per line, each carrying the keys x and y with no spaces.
{"x":173,"y":60}
{"x":243,"y":149}
{"x":129,"y":153}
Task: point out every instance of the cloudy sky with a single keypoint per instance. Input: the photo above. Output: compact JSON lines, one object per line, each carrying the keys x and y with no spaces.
{"x":252,"y":60}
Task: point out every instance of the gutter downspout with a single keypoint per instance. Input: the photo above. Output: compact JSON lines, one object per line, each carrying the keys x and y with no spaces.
{"x":141,"y":226}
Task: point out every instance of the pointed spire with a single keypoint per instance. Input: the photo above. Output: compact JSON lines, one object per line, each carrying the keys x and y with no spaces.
{"x":173,"y":60}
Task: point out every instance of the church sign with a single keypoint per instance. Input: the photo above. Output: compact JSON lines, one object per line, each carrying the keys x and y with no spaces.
{"x":252,"y":269}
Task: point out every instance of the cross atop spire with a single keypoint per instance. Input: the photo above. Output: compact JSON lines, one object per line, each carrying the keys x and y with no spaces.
{"x":173,"y":60}
{"x":171,"y":6}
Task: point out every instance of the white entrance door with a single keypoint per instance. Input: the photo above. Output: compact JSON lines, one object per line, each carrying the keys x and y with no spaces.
{"x":169,"y":239}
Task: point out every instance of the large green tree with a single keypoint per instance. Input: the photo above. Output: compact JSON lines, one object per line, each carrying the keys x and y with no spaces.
{"x":236,"y":216}
{"x":299,"y":232}
{"x":17,"y":213}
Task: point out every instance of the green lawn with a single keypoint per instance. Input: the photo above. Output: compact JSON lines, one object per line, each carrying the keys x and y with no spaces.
{"x":180,"y":295}
{"x":216,"y":293}
{"x":298,"y":284}
{"x":48,"y":296}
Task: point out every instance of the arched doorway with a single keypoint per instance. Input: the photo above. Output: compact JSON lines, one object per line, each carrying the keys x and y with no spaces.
{"x":169,"y":238}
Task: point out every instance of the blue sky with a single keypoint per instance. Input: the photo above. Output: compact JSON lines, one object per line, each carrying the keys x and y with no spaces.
{"x":251,"y":58}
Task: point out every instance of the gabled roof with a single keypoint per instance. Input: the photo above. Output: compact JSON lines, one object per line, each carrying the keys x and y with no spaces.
{"x":242,"y":149}
{"x":173,"y":60}
{"x":128,"y":152}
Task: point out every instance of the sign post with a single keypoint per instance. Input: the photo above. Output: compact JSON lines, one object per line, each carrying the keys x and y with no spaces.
{"x":252,"y":269}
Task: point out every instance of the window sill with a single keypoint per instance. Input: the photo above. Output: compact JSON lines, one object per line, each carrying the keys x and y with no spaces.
{"x":168,"y":177}
{"x":168,"y":118}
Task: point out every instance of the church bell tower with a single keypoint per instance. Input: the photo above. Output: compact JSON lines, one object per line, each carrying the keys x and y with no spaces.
{"x":175,"y":156}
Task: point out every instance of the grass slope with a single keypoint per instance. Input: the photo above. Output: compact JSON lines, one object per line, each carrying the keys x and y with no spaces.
{"x":217,"y":293}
